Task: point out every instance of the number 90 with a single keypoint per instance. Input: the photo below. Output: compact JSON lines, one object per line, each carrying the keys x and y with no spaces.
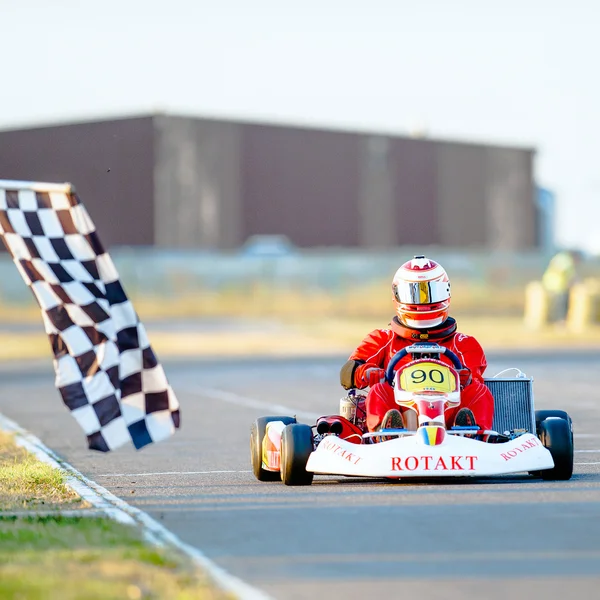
{"x":420,"y":376}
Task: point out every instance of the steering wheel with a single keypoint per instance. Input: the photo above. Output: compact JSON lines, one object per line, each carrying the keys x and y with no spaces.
{"x":389,"y":372}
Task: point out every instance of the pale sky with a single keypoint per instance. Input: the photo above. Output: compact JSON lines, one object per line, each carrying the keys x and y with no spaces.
{"x":522,"y":72}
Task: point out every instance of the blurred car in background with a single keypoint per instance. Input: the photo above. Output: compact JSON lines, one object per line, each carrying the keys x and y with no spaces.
{"x":268,"y":246}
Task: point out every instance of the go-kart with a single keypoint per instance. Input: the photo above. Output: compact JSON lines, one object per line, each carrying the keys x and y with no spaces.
{"x":523,"y":440}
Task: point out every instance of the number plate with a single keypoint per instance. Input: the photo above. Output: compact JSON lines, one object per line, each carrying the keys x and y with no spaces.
{"x":425,"y":376}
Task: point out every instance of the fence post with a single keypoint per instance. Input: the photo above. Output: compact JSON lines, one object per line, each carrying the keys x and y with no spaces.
{"x":537,"y":306}
{"x":584,"y":303}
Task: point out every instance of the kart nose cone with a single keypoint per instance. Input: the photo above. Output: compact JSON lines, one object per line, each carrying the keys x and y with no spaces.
{"x":431,"y":435}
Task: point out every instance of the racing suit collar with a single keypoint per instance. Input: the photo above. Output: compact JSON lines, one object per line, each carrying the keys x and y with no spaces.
{"x":440,"y":332}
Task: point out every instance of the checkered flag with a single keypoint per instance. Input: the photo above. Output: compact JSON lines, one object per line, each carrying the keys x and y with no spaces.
{"x":106,"y":370}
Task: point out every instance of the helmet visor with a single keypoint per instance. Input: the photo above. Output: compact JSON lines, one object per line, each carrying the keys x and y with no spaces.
{"x":421,"y":292}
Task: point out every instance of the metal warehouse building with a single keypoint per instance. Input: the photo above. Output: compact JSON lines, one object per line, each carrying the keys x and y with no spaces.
{"x":183,"y":182}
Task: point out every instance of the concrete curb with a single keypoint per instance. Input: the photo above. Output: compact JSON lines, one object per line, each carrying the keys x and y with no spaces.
{"x":113,"y":507}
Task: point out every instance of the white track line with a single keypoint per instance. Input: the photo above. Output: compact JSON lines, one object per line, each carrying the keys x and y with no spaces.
{"x":231,"y":398}
{"x":119,"y":510}
{"x":245,"y":401}
{"x":169,"y":473}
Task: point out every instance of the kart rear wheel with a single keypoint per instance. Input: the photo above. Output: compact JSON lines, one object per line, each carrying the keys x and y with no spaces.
{"x":542,"y":415}
{"x":555,"y":434}
{"x":296,"y":447}
{"x":257,"y":433}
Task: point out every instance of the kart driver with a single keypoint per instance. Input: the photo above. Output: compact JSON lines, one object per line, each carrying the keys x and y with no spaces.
{"x":421,"y":292}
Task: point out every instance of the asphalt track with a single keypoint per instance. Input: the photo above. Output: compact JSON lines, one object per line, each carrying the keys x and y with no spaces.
{"x":345,"y":538}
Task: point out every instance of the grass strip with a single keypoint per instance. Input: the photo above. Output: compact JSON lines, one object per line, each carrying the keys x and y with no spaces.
{"x":494,"y":333}
{"x":309,"y":336}
{"x":93,"y":559}
{"x":55,"y":556}
{"x":27,"y":483}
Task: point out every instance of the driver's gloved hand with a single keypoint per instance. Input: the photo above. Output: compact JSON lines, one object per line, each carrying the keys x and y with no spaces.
{"x":366,"y":375}
{"x":374,"y":375}
{"x":465,"y":377}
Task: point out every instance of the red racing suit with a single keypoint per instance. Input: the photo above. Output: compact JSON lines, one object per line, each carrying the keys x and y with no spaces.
{"x":364,"y":369}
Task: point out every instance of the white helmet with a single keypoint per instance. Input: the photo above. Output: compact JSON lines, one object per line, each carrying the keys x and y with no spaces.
{"x":421,"y":291}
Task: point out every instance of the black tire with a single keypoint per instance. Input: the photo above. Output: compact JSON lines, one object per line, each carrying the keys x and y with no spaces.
{"x":555,"y":434}
{"x":296,"y":447}
{"x":257,"y":433}
{"x":542,"y":415}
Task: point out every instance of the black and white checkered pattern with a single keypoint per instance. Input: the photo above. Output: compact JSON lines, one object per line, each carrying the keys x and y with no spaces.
{"x":106,"y":370}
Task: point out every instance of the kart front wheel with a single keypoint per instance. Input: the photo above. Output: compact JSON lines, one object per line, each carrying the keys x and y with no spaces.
{"x":296,"y":447}
{"x":555,"y":434}
{"x":257,"y":434}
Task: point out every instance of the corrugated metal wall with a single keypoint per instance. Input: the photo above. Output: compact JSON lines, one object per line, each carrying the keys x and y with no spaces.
{"x":301,"y":183}
{"x":377,"y":223}
{"x":461,"y":203}
{"x":110,"y":163}
{"x":415,"y":185}
{"x":197,"y":184}
{"x":183,"y":182}
{"x":511,"y":214}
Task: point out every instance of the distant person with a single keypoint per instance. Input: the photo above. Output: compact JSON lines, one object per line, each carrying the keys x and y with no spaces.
{"x":421,"y":293}
{"x":558,"y":280}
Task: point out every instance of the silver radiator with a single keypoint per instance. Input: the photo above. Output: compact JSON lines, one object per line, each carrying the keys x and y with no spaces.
{"x":513,"y":404}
